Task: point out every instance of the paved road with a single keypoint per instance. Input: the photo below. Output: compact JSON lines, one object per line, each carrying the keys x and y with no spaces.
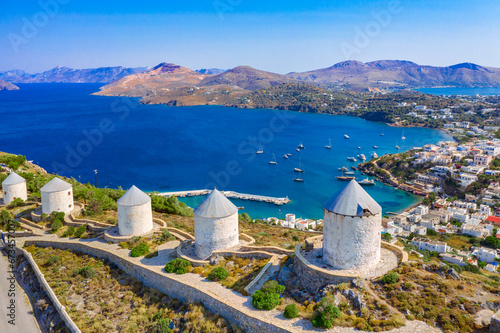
{"x":25,"y":321}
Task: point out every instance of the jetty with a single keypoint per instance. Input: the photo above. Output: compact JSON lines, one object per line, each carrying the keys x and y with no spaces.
{"x":230,"y":194}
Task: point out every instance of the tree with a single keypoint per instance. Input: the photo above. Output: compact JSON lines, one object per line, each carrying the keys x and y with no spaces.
{"x":390,"y":278}
{"x":426,"y":201}
{"x":491,"y":242}
{"x":387,"y":237}
{"x":432,"y":197}
{"x":431,"y":232}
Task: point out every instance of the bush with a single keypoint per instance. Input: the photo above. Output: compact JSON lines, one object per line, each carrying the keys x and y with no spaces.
{"x":52,"y":260}
{"x":177,"y":266}
{"x":69,"y":232}
{"x":80,"y":231}
{"x":387,"y":237}
{"x":139,"y":250}
{"x":265,"y":300}
{"x":431,"y":232}
{"x":56,"y":225}
{"x":86,"y":272}
{"x":291,"y":311}
{"x":472,"y":268}
{"x":326,"y":317}
{"x":272,"y":286}
{"x":163,"y":326}
{"x":295,"y":238}
{"x":390,"y":278}
{"x":218,"y":274}
{"x":17,"y":202}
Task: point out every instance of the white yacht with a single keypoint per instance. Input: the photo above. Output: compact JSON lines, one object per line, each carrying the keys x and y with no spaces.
{"x":362,"y":157}
{"x":374,"y":155}
{"x":367,"y":181}
{"x":403,"y":137}
{"x":260,"y":151}
{"x":352,"y":159}
{"x":346,"y":136}
{"x":329,"y":146}
{"x":274,"y":160}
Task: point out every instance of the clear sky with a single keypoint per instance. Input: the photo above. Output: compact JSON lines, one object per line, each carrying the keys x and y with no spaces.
{"x":279,"y":36}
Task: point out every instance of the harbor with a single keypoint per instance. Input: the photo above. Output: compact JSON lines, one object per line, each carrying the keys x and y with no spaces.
{"x":230,"y":194}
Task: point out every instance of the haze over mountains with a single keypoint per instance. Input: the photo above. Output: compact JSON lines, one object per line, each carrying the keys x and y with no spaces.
{"x":70,"y":75}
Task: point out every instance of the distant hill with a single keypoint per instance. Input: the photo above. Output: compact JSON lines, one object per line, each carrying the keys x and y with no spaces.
{"x":214,"y":71}
{"x":400,"y":74}
{"x":165,"y":76}
{"x":247,"y":78}
{"x":4,"y":85}
{"x":163,"y":84}
{"x":70,"y":75}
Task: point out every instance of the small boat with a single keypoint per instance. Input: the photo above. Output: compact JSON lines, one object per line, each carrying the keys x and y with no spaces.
{"x":299,"y":169}
{"x":273,"y":162}
{"x":374,"y":155}
{"x":397,"y":147}
{"x":346,"y":136}
{"x":329,"y":146}
{"x":362,"y":157}
{"x":298,"y":149}
{"x":301,"y":146}
{"x":343,"y":169}
{"x":298,"y":179}
{"x":359,"y":147}
{"x":375,"y":147}
{"x":354,"y":168}
{"x":352,"y":159}
{"x":382,"y":134}
{"x":403,"y":137}
{"x":367,"y":181}
{"x":285,"y":156}
{"x":289,"y":155}
{"x":349,"y":173}
{"x":260,"y":151}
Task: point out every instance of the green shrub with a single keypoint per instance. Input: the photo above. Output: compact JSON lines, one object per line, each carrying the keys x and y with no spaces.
{"x":52,"y":260}
{"x":291,"y":311}
{"x":80,"y":231}
{"x":218,"y":274}
{"x":472,"y":268}
{"x":390,"y":278}
{"x":177,"y":266}
{"x":265,"y":300}
{"x":17,"y":202}
{"x":56,"y":225}
{"x":86,"y":272}
{"x":69,"y":232}
{"x":325,"y":317}
{"x":295,"y":238}
{"x":272,"y":286}
{"x":139,"y":250}
{"x":163,"y":326}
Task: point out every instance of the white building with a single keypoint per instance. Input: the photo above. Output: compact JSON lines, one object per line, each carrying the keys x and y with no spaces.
{"x":421,"y":210}
{"x":466,"y":179}
{"x":13,"y":187}
{"x":425,"y":244}
{"x":352,"y":229}
{"x":135,"y":216}
{"x":454,"y":259}
{"x":215,"y":225}
{"x":57,"y":196}
{"x":421,"y":231}
{"x":486,"y":255}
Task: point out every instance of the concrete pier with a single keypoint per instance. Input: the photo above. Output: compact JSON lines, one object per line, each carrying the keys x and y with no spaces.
{"x":230,"y":194}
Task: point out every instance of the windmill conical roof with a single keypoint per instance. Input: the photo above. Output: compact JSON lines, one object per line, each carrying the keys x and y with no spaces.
{"x":352,"y":200}
{"x":13,"y":179}
{"x":56,"y":185}
{"x":134,"y":197}
{"x":215,"y":205}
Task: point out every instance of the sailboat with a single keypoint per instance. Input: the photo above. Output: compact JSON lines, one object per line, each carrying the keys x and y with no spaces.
{"x":403,"y":136}
{"x":397,"y":147}
{"x":346,"y":136}
{"x":299,"y":169}
{"x":382,"y":134}
{"x":298,"y":179}
{"x":274,"y":160}
{"x":301,"y":146}
{"x":285,"y":156}
{"x":329,"y":144}
{"x":344,"y":177}
{"x":260,"y":151}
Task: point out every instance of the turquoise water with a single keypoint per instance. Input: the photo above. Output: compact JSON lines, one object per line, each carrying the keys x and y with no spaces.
{"x":460,"y":91}
{"x":160,"y":148}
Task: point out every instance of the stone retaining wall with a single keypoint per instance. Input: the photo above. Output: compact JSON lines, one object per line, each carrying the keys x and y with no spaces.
{"x":31,"y":224}
{"x":50,"y":293}
{"x":270,"y":249}
{"x":399,"y":251}
{"x":172,"y":287}
{"x":259,"y":276}
{"x":313,"y":277}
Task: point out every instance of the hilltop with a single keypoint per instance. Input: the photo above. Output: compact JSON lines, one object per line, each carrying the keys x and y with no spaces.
{"x":355,"y":75}
{"x":4,"y":85}
{"x":62,"y":74}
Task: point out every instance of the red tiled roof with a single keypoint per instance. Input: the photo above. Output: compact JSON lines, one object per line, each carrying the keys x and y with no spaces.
{"x":494,"y":219}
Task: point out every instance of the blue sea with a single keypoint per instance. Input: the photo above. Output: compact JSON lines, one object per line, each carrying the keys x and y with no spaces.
{"x":460,"y":91}
{"x":67,"y":131}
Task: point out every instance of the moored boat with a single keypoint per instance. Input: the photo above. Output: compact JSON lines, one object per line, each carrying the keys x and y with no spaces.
{"x":367,"y":181}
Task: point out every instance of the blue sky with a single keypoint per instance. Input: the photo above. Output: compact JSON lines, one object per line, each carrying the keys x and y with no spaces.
{"x":279,"y":36}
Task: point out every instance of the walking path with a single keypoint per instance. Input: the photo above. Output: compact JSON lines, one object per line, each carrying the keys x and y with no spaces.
{"x":25,"y":321}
